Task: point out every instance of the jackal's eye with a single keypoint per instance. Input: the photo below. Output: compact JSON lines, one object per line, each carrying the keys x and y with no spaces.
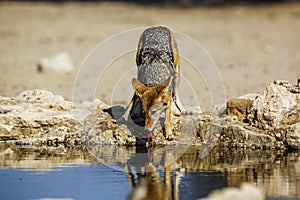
{"x":152,"y":112}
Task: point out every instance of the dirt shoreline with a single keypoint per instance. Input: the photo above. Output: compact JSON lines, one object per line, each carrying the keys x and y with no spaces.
{"x":251,"y":45}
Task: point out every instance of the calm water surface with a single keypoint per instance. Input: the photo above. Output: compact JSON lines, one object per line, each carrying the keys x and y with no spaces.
{"x":120,"y":173}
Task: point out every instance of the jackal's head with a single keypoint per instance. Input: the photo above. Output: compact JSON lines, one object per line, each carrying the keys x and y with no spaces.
{"x":154,"y":100}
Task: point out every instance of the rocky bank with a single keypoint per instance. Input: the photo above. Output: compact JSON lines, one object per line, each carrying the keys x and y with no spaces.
{"x":267,"y":120}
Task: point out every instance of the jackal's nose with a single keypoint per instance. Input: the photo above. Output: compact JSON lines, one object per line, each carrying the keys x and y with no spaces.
{"x":150,"y":136}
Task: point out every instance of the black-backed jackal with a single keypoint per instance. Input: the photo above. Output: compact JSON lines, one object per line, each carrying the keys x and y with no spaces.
{"x":157,"y":81}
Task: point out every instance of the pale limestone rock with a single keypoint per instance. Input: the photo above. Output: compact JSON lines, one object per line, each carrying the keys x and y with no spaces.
{"x":277,"y":107}
{"x":246,"y":192}
{"x":293,"y":136}
{"x":38,"y":117}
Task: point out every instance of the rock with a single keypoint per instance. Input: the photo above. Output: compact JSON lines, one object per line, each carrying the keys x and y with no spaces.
{"x":293,"y":136}
{"x":224,"y":133}
{"x":100,"y":128}
{"x":277,"y":107}
{"x":33,"y":114}
{"x":246,"y":192}
{"x":45,"y":99}
{"x":38,"y":117}
{"x":296,"y":88}
{"x":284,"y":83}
{"x":219,"y":110}
{"x":239,"y":107}
{"x":271,"y":116}
{"x":249,"y":96}
{"x":60,"y":62}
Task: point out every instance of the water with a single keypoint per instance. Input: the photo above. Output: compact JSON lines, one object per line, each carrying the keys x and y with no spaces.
{"x":91,"y":181}
{"x":75,"y":173}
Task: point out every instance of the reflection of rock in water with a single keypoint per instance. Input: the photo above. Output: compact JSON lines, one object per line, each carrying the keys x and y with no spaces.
{"x":136,"y":157}
{"x":41,"y":157}
{"x":275,"y":172}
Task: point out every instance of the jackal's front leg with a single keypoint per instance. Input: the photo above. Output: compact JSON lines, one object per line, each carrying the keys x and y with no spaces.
{"x":168,"y":130}
{"x":179,"y":106}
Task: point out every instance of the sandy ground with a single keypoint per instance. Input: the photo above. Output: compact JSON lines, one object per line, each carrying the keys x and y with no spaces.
{"x":251,"y":45}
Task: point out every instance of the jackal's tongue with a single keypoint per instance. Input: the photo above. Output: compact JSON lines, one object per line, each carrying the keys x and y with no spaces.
{"x":150,"y":136}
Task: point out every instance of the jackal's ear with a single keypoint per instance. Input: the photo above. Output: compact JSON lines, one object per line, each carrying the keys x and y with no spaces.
{"x":163,"y":85}
{"x":139,"y":87}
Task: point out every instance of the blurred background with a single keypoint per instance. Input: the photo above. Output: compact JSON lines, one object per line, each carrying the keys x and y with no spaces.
{"x":44,"y":43}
